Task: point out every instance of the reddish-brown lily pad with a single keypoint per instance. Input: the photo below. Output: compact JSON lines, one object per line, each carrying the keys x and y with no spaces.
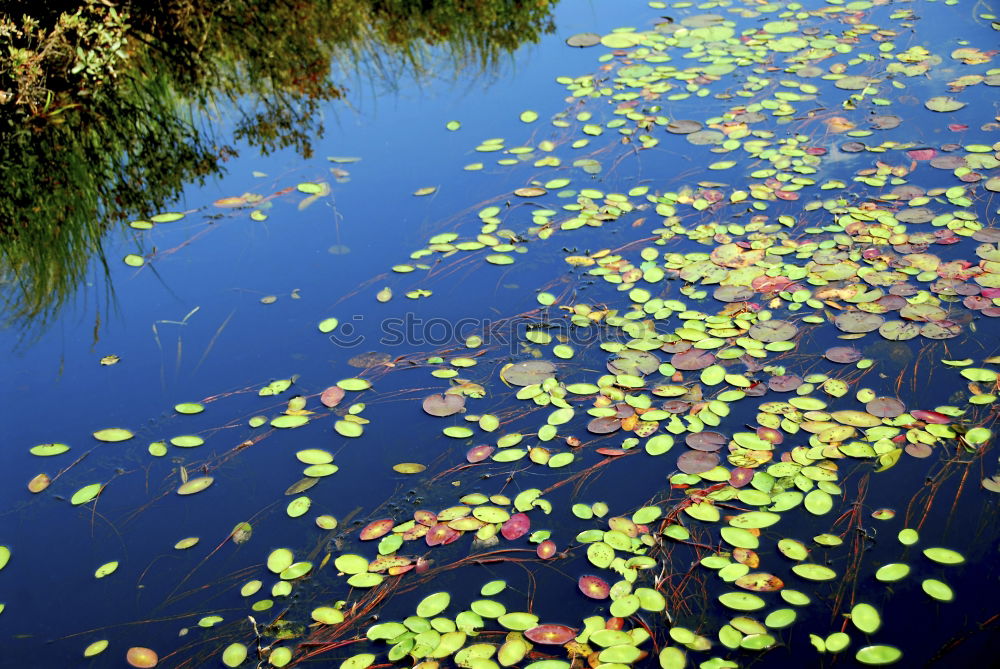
{"x":706,"y":441}
{"x":784,"y":383}
{"x":857,"y":322}
{"x":843,"y":354}
{"x":697,"y":462}
{"x":760,"y":582}
{"x":479,"y":453}
{"x":440,"y":535}
{"x":885,"y":407}
{"x":331,"y":396}
{"x":377,"y":529}
{"x":443,"y":405}
{"x":555,"y":635}
{"x":546,"y":549}
{"x":930,"y":416}
{"x":516,"y":526}
{"x":427,"y":518}
{"x":604,"y":425}
{"x":594,"y":587}
{"x":771,"y":435}
{"x":740,"y":476}
{"x":692,"y":359}
{"x":143,"y":658}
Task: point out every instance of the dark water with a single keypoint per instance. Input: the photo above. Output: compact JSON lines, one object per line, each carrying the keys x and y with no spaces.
{"x":190,"y":326}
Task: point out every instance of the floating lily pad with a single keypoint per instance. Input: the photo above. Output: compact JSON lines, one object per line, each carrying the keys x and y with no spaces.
{"x":443,"y":405}
{"x":195,"y":485}
{"x":550,"y":634}
{"x":141,"y":658}
{"x":528,"y":373}
{"x":113,"y":434}
{"x":943,"y":103}
{"x":773,"y":331}
{"x":582,"y":40}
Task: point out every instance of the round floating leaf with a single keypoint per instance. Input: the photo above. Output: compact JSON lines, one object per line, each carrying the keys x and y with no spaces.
{"x":377,"y":529}
{"x":141,"y":658}
{"x":581,"y":40}
{"x":234,"y":655}
{"x":332,"y":396}
{"x":943,"y":103}
{"x":697,"y":462}
{"x":189,"y":408}
{"x":878,"y":655}
{"x":594,"y":587}
{"x":359,"y":661}
{"x":431,"y":605}
{"x":47,"y":450}
{"x":528,"y":373}
{"x":86,"y":494}
{"x":550,"y":634}
{"x":295,"y":570}
{"x":409,"y":467}
{"x":858,"y":321}
{"x":113,"y":434}
{"x":792,"y":549}
{"x":866,"y":618}
{"x":773,"y":331}
{"x":944,"y":555}
{"x":443,"y":405}
{"x":281,"y":656}
{"x":327,"y":615}
{"x":195,"y":485}
{"x":350,"y":564}
{"x":289,"y":421}
{"x":298,"y":507}
{"x":355,"y":384}
{"x":894,"y":571}
{"x":938,"y":590}
{"x":814,"y":572}
{"x":741,"y":601}
{"x":106,"y":569}
{"x":95,"y":648}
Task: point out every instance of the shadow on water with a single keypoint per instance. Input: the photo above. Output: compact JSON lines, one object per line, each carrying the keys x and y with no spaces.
{"x":99,"y":104}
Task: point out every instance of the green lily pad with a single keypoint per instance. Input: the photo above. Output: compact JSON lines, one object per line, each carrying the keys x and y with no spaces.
{"x":113,"y":434}
{"x":944,"y":555}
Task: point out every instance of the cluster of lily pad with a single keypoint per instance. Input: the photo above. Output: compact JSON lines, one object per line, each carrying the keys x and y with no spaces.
{"x":792,"y":253}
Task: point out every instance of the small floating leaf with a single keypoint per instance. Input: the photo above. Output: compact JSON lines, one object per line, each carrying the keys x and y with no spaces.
{"x":96,"y":648}
{"x":878,"y":655}
{"x":113,"y":434}
{"x":141,"y":658}
{"x":866,"y":618}
{"x":86,"y":494}
{"x":234,"y":655}
{"x":938,"y":590}
{"x":46,"y":450}
{"x":106,"y":569}
{"x":944,"y":555}
{"x":195,"y":485}
{"x":431,"y":605}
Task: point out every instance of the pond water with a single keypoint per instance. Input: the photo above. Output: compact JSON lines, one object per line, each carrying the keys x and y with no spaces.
{"x":675,"y":347}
